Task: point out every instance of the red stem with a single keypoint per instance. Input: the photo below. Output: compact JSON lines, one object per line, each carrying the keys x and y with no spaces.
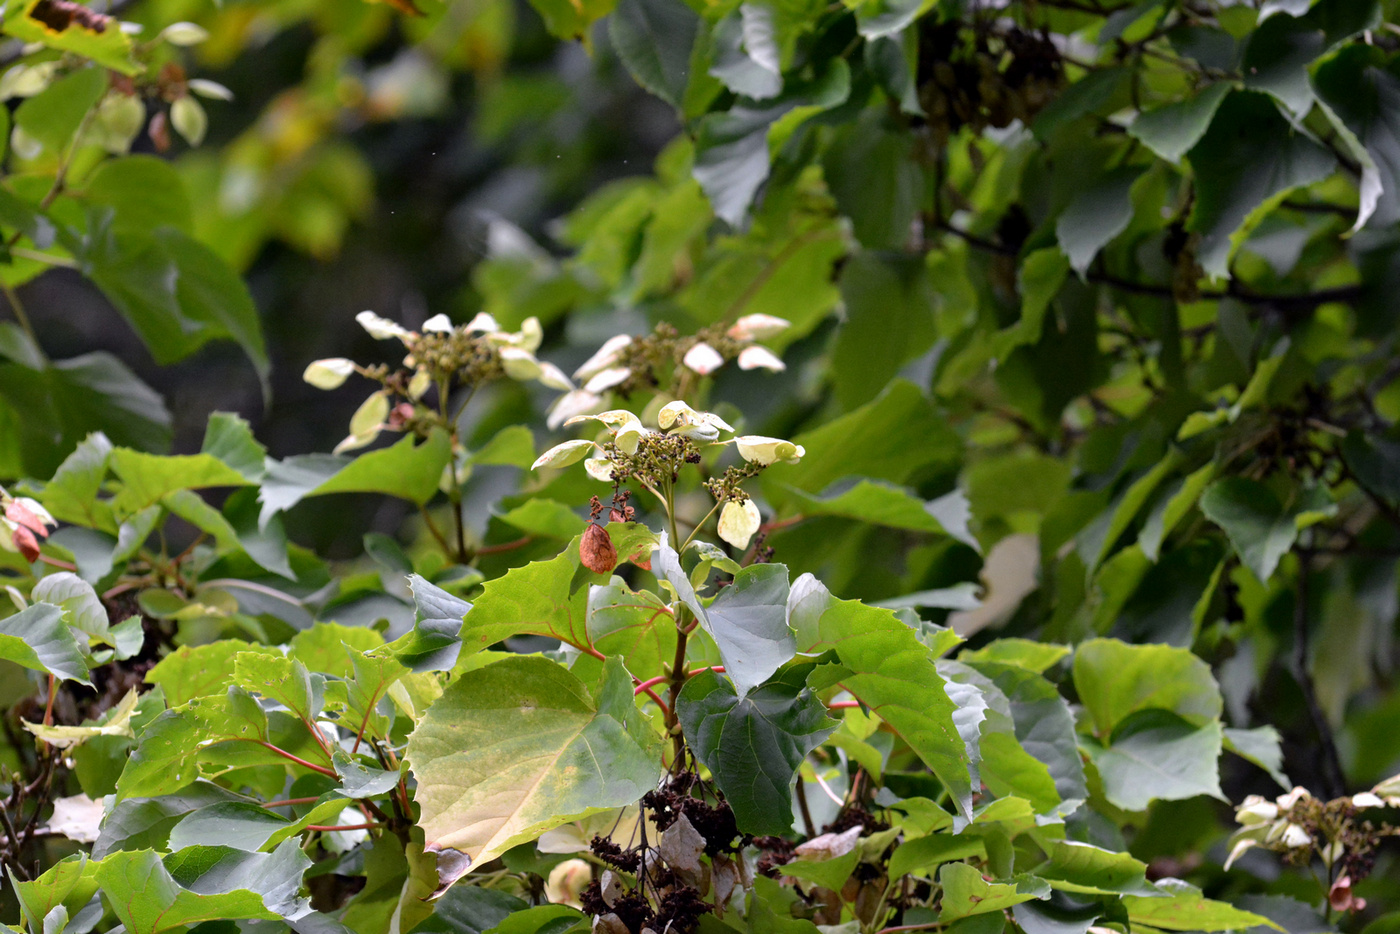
{"x":652,"y":682}
{"x":297,"y":759}
{"x":288,"y":802}
{"x":843,"y":705}
{"x":505,"y":546}
{"x":344,"y":826}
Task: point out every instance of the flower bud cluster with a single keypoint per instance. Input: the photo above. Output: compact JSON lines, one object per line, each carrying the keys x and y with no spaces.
{"x":625,"y":365}
{"x":655,"y":458}
{"x":1302,"y":827}
{"x":441,"y":356}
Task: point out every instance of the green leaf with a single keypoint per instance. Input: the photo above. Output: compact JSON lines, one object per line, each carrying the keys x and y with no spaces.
{"x":407,"y":470}
{"x":38,"y":639}
{"x":64,"y":401}
{"x":228,"y":438}
{"x":885,"y":666}
{"x":888,"y":504}
{"x":435,"y":640}
{"x":1022,"y":653}
{"x":470,"y":909}
{"x":731,"y":149}
{"x":148,"y":900}
{"x":1260,"y":746}
{"x":872,"y":343}
{"x":1186,"y":909}
{"x":1172,"y":130}
{"x":654,"y":39}
{"x":1115,"y":680}
{"x":197,"y":671}
{"x":748,"y":620}
{"x":239,"y":824}
{"x":359,"y":780}
{"x":512,"y":446}
{"x":877,"y":18}
{"x":1281,"y":49}
{"x":1080,"y":867}
{"x":966,"y":893}
{"x":1043,"y":730}
{"x":53,"y":116}
{"x":570,"y":20}
{"x":1171,"y":508}
{"x":82,"y":607}
{"x":110,"y":46}
{"x":144,"y":193}
{"x":177,"y":293}
{"x":1260,"y":529}
{"x":928,"y":852}
{"x":545,"y":518}
{"x":879,"y":188}
{"x":1247,"y":161}
{"x":636,"y":625}
{"x":283,"y":680}
{"x":145,"y":823}
{"x":754,"y":744}
{"x":886,"y":439}
{"x":1099,"y":212}
{"x":71,"y":495}
{"x":518,"y":747}
{"x":146,"y":478}
{"x":68,"y":883}
{"x":546,"y":598}
{"x":1169,"y":762}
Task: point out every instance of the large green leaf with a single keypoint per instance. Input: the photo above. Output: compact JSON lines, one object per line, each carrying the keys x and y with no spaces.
{"x":148,"y":477}
{"x":53,"y":116}
{"x":546,"y":598}
{"x":748,"y":620}
{"x":636,"y":625}
{"x":406,"y":469}
{"x":1099,"y":212}
{"x":881,"y":662}
{"x":654,"y":39}
{"x":148,"y":900}
{"x":731,"y":150}
{"x":63,"y":401}
{"x":1247,"y":161}
{"x":435,"y":640}
{"x":38,"y":639}
{"x":1171,"y":130}
{"x":177,"y":293}
{"x":1259,"y":527}
{"x":885,"y":439}
{"x":515,"y":748}
{"x":966,"y":893}
{"x":754,"y":744}
{"x":1185,"y":909}
{"x":1169,"y":762}
{"x":890,"y":505}
{"x":1116,"y":680}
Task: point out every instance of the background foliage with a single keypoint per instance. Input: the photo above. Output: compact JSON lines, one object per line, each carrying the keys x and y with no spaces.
{"x":1091,"y":351}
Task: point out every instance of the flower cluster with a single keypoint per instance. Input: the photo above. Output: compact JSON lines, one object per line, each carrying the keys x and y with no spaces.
{"x":440,"y":356}
{"x":25,"y":522}
{"x":624,"y":364}
{"x":1302,"y":826}
{"x":655,"y":457}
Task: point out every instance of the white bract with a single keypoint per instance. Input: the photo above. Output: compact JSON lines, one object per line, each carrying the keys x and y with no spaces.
{"x":757,"y":449}
{"x":604,"y":357}
{"x":438,"y":324}
{"x":562,"y":455}
{"x":738,"y":522}
{"x":571,"y":405}
{"x":604,"y":380}
{"x":757,"y":327}
{"x":520,"y":364}
{"x":381,"y":329}
{"x":330,"y":373}
{"x":755,"y":357}
{"x":703,"y":359}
